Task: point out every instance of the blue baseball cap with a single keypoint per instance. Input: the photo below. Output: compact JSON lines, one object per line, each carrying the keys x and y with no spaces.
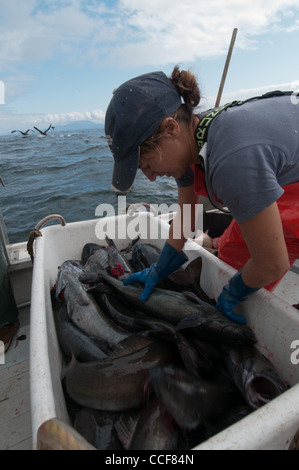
{"x":135,"y":111}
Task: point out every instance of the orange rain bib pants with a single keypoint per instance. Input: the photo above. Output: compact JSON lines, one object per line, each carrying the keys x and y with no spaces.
{"x":231,"y":246}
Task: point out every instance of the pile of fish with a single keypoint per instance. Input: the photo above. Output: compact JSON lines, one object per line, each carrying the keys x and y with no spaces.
{"x":164,"y":374}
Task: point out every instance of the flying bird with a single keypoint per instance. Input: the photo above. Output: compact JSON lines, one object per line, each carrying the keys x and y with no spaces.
{"x":44,"y":132}
{"x":23,"y":133}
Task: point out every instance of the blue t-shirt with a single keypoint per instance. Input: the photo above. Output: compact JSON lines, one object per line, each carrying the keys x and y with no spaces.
{"x":252,"y":150}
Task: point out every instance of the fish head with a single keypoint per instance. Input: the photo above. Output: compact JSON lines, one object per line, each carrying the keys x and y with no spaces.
{"x":254,"y":375}
{"x":262,"y":383}
{"x":180,"y":393}
{"x":68,"y":274}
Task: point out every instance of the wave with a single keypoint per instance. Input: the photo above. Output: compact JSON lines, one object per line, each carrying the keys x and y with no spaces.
{"x":70,"y":176}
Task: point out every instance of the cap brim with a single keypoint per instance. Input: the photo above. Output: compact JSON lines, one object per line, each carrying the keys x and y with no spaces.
{"x":124,"y":173}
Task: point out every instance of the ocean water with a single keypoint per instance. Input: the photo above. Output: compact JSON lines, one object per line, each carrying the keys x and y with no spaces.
{"x":66,"y":173}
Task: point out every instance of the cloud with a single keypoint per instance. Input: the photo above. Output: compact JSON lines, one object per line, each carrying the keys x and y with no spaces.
{"x":34,"y":33}
{"x":10,"y":121}
{"x":165,"y":31}
{"x":132,"y":33}
{"x":243,"y":94}
{"x":96,"y":116}
{"x":129,"y":33}
{"x":123,"y":34}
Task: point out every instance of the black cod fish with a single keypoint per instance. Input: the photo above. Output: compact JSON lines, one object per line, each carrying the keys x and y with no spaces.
{"x":254,"y":375}
{"x":151,"y":428}
{"x":72,"y":340}
{"x":195,"y":358}
{"x":212,"y":325}
{"x":117,"y":382}
{"x":192,"y":400}
{"x":89,"y":249}
{"x":143,"y":256}
{"x":196,"y":361}
{"x":174,"y":306}
{"x":82,"y":307}
{"x":190,"y":439}
{"x":127,"y":317}
{"x":187,"y":279}
{"x":108,"y":257}
{"x":98,"y":428}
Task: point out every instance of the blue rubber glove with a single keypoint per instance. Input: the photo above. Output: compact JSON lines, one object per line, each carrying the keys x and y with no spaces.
{"x":169,"y":260}
{"x":233,"y":293}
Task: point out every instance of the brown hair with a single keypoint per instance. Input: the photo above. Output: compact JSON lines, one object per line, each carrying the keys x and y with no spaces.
{"x":186,"y":85}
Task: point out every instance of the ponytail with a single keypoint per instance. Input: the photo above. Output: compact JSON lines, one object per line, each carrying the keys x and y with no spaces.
{"x":186,"y":85}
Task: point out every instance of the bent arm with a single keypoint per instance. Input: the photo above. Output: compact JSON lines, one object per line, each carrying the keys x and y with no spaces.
{"x":265,"y":240}
{"x":269,"y":261}
{"x":171,"y":257}
{"x":185,"y":219}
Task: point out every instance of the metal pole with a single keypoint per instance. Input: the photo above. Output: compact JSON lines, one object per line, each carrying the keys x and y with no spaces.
{"x":229,"y":54}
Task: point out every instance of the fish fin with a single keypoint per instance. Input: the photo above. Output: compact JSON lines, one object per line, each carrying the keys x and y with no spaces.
{"x":195,"y":362}
{"x":191,"y":296}
{"x":89,"y":250}
{"x":70,"y":307}
{"x":190,"y":321}
{"x":88,"y":277}
{"x":130,"y":245}
{"x":66,"y":365}
{"x":101,"y":344}
{"x":126,"y":426}
{"x":131,"y":344}
{"x":193,"y":269}
{"x":82,"y":301}
{"x":60,"y":286}
{"x":110,"y":242}
{"x":160,"y":329}
{"x":60,"y":295}
{"x":100,"y":288}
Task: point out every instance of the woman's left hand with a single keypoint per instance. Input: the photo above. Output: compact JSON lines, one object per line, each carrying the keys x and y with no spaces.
{"x":232,"y":294}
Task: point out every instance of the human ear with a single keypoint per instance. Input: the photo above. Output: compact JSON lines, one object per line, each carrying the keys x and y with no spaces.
{"x":170,"y":127}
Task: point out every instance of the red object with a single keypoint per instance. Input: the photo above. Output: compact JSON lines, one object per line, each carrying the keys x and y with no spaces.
{"x":61,"y":295}
{"x":231,"y":246}
{"x":117,"y":272}
{"x":233,"y":250}
{"x":199,"y":181}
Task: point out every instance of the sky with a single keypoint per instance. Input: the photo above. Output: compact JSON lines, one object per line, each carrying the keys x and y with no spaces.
{"x":61,"y":59}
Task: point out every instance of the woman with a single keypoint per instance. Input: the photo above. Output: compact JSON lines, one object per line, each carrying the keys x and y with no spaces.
{"x":252,"y":150}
